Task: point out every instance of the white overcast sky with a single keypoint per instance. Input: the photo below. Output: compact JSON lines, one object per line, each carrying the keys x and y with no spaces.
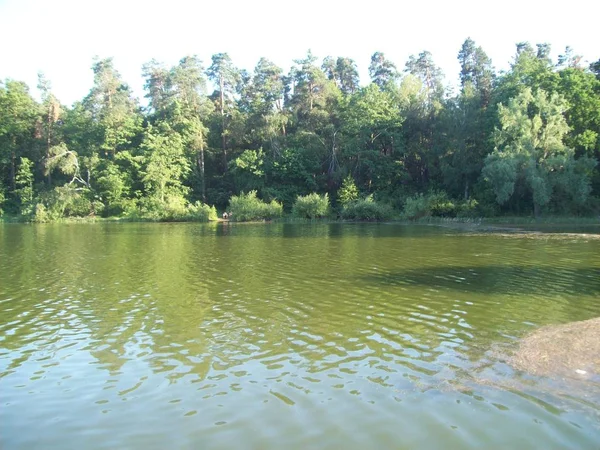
{"x":60,"y":37}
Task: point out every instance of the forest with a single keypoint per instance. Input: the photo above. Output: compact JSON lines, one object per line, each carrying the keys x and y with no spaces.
{"x":313,"y":142}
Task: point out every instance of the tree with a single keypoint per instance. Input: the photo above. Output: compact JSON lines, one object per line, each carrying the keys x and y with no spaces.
{"x":178,"y":97}
{"x":67,"y":162}
{"x":530,"y":149}
{"x":371,"y":133}
{"x":529,"y":69}
{"x":595,"y":68}
{"x":310,"y":86}
{"x":166,"y":165}
{"x":464,"y":121}
{"x":314,"y":107}
{"x":113,"y":108}
{"x":19,"y":114}
{"x":348,"y":192}
{"x":191,"y":110}
{"x":343,"y":72}
{"x":51,"y":112}
{"x":430,"y":75}
{"x":569,"y":60}
{"x":465,"y":146}
{"x":476,"y":69}
{"x":263,"y":100}
{"x":24,"y":186}
{"x":381,"y":70}
{"x":226,"y":77}
{"x":158,"y":87}
{"x":421,"y":128}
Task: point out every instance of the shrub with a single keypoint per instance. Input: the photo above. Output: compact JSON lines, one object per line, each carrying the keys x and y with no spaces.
{"x":311,"y":206}
{"x":416,"y":207}
{"x":245,"y":207}
{"x":174,"y":208}
{"x":201,"y":212}
{"x":41,"y":214}
{"x":468,"y":208}
{"x":126,"y":207}
{"x":63,"y":201}
{"x":347,"y":192}
{"x":435,"y":204}
{"x":441,"y":205}
{"x":366,"y":209}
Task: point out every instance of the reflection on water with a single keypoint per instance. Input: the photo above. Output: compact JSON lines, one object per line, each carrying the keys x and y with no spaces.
{"x":270,"y":336}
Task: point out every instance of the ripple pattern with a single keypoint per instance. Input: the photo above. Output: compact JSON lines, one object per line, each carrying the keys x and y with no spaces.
{"x":303,"y":336}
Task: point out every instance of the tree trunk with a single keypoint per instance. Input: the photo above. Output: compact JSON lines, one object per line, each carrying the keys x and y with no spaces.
{"x":466,"y":189}
{"x":13,"y":157}
{"x":536,"y":210}
{"x":13,"y":163}
{"x":201,"y":168}
{"x":223,"y":140}
{"x":48,"y":144}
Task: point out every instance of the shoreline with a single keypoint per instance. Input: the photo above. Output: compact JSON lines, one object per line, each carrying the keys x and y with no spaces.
{"x":508,"y":223}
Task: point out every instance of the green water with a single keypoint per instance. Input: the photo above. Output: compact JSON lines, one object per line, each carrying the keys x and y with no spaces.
{"x":186,"y":336}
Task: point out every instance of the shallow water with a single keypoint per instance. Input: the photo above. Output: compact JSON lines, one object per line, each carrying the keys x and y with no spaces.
{"x":287,"y":336}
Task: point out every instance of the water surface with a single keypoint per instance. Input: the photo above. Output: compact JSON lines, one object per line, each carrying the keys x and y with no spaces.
{"x":287,"y":336}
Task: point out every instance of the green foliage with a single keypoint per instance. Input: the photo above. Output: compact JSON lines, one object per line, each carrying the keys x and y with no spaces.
{"x":201,"y":212}
{"x":438,"y":204}
{"x":173,"y":208}
{"x":348,"y":192}
{"x":41,"y":214}
{"x":111,"y":187}
{"x":65,"y":201}
{"x":381,"y":70}
{"x":367,"y":209}
{"x":311,"y":206}
{"x":416,"y":207}
{"x":246,"y":207}
{"x":441,"y":205}
{"x":526,"y":139}
{"x":166,"y":164}
{"x":248,"y":170}
{"x":530,"y":149}
{"x":24,"y":186}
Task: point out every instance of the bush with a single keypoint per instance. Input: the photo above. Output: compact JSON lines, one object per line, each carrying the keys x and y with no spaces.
{"x":416,"y":207}
{"x":441,"y":205}
{"x":126,"y":207}
{"x":200,"y":212}
{"x":311,"y":206}
{"x":366,"y":209}
{"x":63,"y":201}
{"x":435,"y":204}
{"x":468,"y":208}
{"x":245,"y":207}
{"x":41,"y":214}
{"x":348,"y":192}
{"x":175,"y":208}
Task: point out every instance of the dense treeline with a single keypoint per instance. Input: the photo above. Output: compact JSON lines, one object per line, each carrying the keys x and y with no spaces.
{"x":521,"y":142}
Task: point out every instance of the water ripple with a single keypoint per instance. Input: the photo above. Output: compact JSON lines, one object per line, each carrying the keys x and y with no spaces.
{"x":335,"y":336}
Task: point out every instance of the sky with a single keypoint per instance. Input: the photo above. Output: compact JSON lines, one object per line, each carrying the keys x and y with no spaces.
{"x":61,"y":37}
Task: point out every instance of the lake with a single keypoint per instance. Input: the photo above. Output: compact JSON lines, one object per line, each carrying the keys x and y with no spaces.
{"x":269,"y":336}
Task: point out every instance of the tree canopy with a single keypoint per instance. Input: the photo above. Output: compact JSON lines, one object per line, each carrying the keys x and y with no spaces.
{"x":517,"y":142}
